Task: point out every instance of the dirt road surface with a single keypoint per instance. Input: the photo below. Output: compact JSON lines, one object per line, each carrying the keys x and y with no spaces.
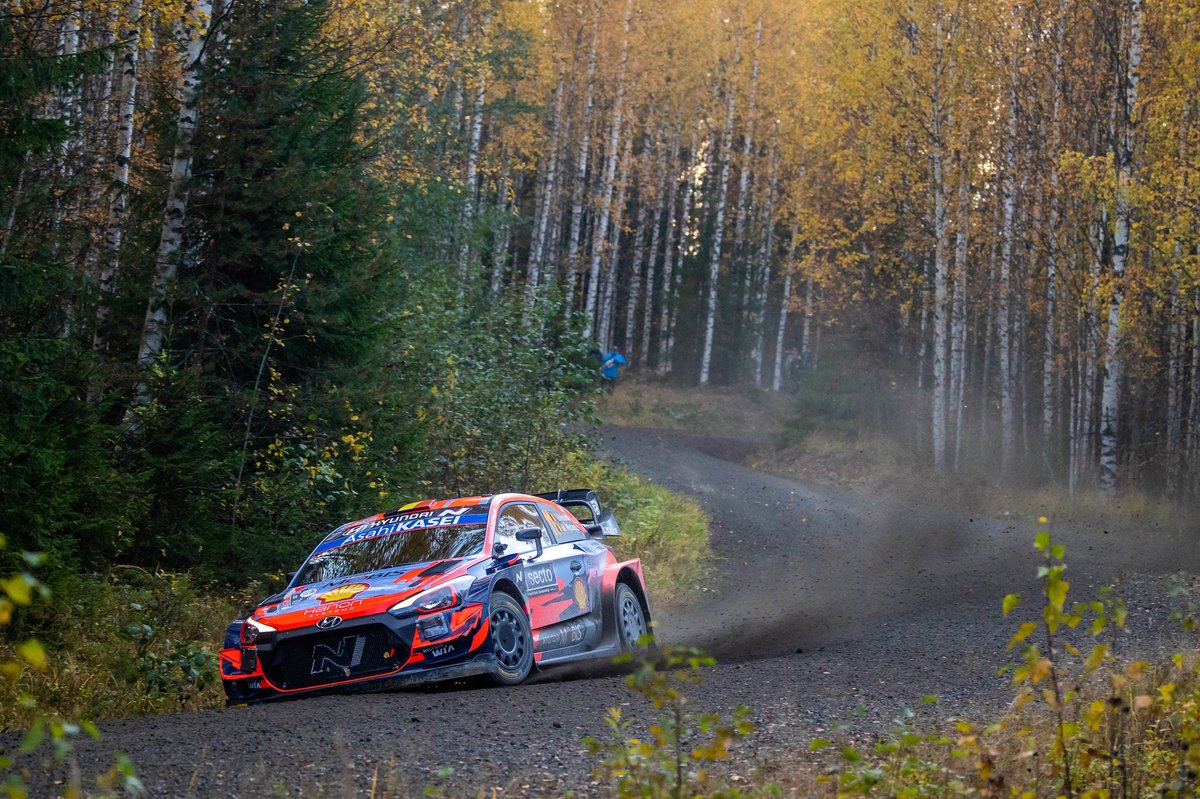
{"x":828,"y":606}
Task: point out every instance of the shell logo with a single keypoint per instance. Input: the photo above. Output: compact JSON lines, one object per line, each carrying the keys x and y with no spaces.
{"x":581,"y":594}
{"x":343,"y":592}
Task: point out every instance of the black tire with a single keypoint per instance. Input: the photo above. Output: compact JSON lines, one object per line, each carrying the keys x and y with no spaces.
{"x":632,"y":623}
{"x":512,"y":640}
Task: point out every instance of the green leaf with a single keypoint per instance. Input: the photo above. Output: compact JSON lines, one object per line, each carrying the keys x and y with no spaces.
{"x":817,"y":745}
{"x":33,"y":736}
{"x":32,"y":653}
{"x":1024,"y":631}
{"x":1010,"y":602}
{"x":1057,"y":551}
{"x":1041,"y":542}
{"x":19,"y":588}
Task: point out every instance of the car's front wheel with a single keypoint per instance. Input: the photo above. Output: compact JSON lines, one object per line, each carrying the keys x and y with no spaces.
{"x":512,"y":641}
{"x":631,"y":621}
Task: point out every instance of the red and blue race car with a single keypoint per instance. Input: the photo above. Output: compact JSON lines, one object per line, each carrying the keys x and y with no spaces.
{"x":439,"y":590}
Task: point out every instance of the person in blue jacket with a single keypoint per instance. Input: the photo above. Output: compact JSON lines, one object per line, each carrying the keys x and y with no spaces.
{"x":610,"y":367}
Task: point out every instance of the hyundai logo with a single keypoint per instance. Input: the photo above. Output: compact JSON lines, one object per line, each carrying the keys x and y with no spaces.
{"x":329,"y":622}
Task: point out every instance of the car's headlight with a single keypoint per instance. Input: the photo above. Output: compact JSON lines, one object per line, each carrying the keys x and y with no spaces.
{"x":255,"y":632}
{"x":445,"y":596}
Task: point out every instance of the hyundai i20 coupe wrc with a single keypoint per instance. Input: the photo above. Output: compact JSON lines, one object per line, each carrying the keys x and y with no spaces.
{"x":441,"y":590}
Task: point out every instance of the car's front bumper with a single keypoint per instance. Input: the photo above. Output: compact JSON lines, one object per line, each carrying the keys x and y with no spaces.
{"x":370,"y":653}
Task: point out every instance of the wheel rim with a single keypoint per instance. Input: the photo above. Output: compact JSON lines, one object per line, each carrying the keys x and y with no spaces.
{"x":633,"y":621}
{"x":509,"y":639}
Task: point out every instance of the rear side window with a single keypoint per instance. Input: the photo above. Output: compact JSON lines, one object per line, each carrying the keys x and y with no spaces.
{"x":564,"y":526}
{"x":513,"y":519}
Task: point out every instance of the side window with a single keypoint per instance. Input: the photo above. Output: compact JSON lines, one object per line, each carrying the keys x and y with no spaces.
{"x":515,"y":518}
{"x":565,"y":528}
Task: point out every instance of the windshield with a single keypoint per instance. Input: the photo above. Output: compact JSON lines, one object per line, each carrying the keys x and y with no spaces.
{"x":396,"y":541}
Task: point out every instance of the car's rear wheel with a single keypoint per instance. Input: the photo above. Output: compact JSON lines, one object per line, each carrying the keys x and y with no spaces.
{"x":512,"y":641}
{"x":631,"y":621}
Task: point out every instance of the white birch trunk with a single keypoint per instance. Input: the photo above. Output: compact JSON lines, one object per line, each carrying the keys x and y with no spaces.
{"x":470,"y":187}
{"x":1110,"y":391}
{"x":1004,"y":288}
{"x":785,"y":301}
{"x":613,"y":254}
{"x":193,"y":26}
{"x":667,"y":191}
{"x":607,"y":186}
{"x":958,"y":313}
{"x":548,"y":199}
{"x":714,"y":260}
{"x":758,"y":353}
{"x":745,"y":168}
{"x":115,"y":230}
{"x":941,"y":228}
{"x":672,"y":276}
{"x":575,"y":236}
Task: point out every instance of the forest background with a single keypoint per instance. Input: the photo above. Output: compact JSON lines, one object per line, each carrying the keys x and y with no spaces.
{"x":268,"y":265}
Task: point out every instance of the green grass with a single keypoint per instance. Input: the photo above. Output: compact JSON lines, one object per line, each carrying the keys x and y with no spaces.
{"x":720,"y":411}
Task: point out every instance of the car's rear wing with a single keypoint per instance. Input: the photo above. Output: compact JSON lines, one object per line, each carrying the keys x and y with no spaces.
{"x":598,"y":521}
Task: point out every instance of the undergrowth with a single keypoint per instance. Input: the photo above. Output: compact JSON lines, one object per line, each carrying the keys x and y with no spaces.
{"x":668,"y":531}
{"x":125,"y":643}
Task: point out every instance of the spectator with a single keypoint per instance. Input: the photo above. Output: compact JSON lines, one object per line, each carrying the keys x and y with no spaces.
{"x":610,"y":368}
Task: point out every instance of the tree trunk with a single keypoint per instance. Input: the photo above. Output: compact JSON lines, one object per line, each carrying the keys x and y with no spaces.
{"x":607,"y":187}
{"x":127,"y":107}
{"x":664,"y":207}
{"x":958,"y":312}
{"x":1110,"y":392}
{"x":941,"y":230}
{"x":548,"y":199}
{"x":759,"y":318}
{"x":785,"y":300}
{"x":194,"y":26}
{"x":471,"y":188}
{"x":575,"y":237}
{"x":672,"y":278}
{"x":714,"y":260}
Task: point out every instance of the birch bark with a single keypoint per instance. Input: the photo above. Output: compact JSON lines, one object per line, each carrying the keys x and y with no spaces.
{"x":114,"y":233}
{"x":194,"y":26}
{"x":1111,"y":386}
{"x":714,"y":259}
{"x":607,"y":186}
{"x":575,"y":236}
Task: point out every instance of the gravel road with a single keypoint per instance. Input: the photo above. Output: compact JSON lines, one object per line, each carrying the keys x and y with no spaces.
{"x":829,"y":606}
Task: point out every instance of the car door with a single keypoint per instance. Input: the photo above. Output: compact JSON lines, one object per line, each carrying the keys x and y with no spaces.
{"x":550,"y":581}
{"x":586,"y":558}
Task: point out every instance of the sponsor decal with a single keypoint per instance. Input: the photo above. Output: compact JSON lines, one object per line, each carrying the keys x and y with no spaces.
{"x":438,"y":651}
{"x":374,"y":528}
{"x":343,"y":592}
{"x":337,"y":607}
{"x":329,"y":622}
{"x":569,"y":634}
{"x":579,"y":589}
{"x":540,"y":580}
{"x":307,"y":592}
{"x":342,"y":657}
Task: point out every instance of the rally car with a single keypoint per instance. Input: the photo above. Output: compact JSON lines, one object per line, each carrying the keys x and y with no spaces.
{"x":440,"y":590}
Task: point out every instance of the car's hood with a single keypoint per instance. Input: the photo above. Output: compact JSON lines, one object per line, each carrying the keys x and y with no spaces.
{"x":356,"y":595}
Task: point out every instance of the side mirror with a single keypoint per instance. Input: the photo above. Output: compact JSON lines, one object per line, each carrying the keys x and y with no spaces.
{"x":533,"y":534}
{"x":606,"y":525}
